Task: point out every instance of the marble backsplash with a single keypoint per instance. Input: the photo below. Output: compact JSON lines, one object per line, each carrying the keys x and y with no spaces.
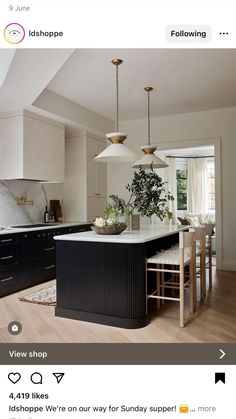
{"x":11,"y":191}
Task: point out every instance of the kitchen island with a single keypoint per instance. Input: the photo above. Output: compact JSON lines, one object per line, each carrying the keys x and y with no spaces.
{"x":101,"y":278}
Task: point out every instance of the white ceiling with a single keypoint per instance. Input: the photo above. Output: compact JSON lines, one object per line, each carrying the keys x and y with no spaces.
{"x":24,"y":74}
{"x":185,"y":80}
{"x":6,"y":57}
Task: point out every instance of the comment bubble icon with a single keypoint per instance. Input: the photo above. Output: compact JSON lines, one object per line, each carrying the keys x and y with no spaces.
{"x":36,"y":378}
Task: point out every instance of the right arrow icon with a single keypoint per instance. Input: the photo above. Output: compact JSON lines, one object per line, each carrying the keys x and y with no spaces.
{"x":222,"y":353}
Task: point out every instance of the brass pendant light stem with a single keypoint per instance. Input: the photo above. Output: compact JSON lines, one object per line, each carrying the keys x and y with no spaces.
{"x":116,"y":152}
{"x":149,"y":159}
{"x":149,"y":118}
{"x":117,"y":62}
{"x":117,"y":99}
{"x":148,"y":90}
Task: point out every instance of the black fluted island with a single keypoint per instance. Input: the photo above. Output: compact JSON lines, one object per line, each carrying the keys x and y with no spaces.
{"x":101,"y":279}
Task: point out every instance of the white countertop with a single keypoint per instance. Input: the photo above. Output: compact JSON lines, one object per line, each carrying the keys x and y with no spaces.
{"x":143,"y":235}
{"x":11,"y":230}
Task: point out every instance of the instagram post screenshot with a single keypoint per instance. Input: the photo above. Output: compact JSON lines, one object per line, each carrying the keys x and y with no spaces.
{"x":117,"y":209}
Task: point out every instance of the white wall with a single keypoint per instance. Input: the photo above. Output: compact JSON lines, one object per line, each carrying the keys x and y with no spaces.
{"x":192,"y":126}
{"x":70,"y":111}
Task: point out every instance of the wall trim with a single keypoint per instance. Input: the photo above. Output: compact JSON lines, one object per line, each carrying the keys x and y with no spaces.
{"x":229,"y":265}
{"x":32,"y":115}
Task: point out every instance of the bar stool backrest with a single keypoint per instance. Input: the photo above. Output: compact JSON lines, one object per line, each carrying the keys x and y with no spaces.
{"x":200,"y":233}
{"x":186,"y":239}
{"x":209,"y":229}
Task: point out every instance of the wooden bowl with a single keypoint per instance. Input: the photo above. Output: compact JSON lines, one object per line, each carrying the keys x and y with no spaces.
{"x":113,"y":229}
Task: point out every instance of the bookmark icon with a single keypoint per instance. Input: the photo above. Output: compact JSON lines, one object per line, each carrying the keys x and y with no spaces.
{"x":220,"y":377}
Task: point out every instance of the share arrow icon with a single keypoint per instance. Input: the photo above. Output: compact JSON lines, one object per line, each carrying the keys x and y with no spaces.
{"x":58,"y":376}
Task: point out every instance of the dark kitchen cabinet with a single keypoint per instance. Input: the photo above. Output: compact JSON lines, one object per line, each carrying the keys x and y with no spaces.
{"x":38,"y":253}
{"x":27,"y":259}
{"x":9,"y":263}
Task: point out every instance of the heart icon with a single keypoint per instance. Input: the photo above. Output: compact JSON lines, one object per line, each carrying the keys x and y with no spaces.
{"x":14,"y":377}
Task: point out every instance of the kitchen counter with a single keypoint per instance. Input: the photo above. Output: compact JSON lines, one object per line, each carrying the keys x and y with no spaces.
{"x":11,"y":230}
{"x":101,"y":279}
{"x":143,"y":235}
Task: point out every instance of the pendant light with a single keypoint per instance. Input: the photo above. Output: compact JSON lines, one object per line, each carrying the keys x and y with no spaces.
{"x":149,"y":159}
{"x":117,"y":152}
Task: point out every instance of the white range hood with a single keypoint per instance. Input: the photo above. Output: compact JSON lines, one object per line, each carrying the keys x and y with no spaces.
{"x":31,"y":147}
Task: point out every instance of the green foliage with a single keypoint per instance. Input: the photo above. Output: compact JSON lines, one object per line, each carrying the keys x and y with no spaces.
{"x":181,"y":177}
{"x":149,"y":195}
{"x":111,"y":211}
{"x":122,"y":206}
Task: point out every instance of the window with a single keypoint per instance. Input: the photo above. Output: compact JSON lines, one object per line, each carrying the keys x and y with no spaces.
{"x":181,"y":178}
{"x":211,"y":183}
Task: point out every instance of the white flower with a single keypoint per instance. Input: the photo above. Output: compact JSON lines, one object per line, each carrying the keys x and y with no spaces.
{"x":100,"y":222}
{"x":110,"y":221}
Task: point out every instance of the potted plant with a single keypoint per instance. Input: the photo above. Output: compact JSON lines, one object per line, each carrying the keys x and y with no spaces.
{"x":111,"y":223}
{"x":125,"y":209}
{"x":147,"y":195}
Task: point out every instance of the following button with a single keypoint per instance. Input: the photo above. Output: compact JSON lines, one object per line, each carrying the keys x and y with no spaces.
{"x":188,"y":33}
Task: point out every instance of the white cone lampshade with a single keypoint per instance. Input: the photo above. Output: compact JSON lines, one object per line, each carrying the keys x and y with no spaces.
{"x":117,"y":152}
{"x":149,"y":159}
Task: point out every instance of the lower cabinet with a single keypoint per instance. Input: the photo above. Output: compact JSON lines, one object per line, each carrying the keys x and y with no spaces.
{"x":9,"y":263}
{"x":27,"y":259}
{"x":8,"y":282}
{"x":41,"y":257}
{"x":42,"y":270}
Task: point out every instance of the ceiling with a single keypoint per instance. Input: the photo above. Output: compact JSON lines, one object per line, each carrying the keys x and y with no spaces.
{"x":6,"y":58}
{"x":185,"y":80}
{"x":79,"y":85}
{"x":25,"y":73}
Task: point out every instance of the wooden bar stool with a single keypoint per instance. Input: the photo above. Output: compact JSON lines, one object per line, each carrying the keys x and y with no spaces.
{"x":209,"y":230}
{"x":173,"y":262}
{"x":201,"y":254}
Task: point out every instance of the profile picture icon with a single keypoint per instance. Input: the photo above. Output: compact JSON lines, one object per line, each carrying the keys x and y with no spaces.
{"x":14,"y":33}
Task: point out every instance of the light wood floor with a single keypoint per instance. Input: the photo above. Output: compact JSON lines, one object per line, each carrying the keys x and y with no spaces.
{"x":215,"y":320}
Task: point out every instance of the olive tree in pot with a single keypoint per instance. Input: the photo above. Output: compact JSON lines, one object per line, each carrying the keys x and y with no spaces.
{"x":148,"y":196}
